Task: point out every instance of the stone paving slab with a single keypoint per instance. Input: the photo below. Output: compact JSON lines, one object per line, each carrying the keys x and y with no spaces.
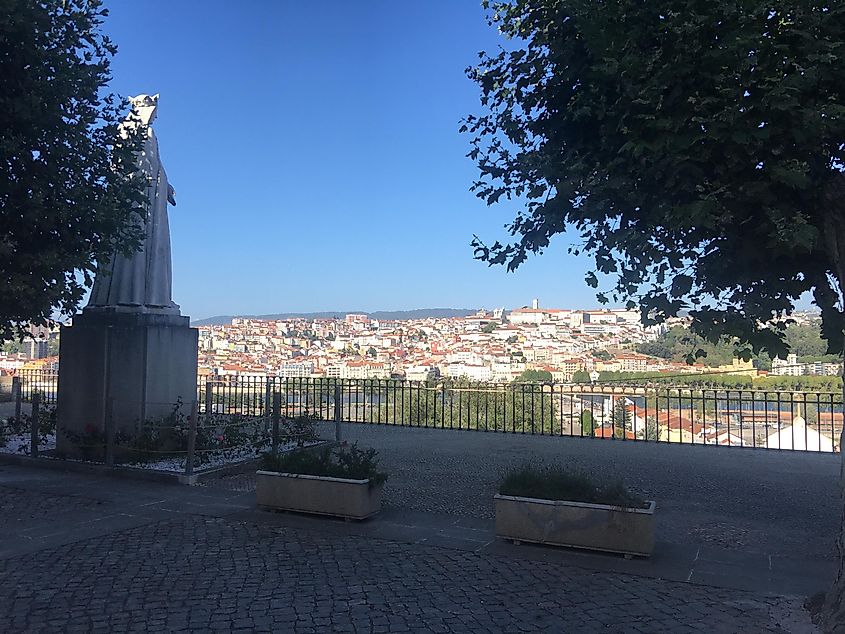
{"x":684,"y":564}
{"x":217,"y":574}
{"x":43,"y":509}
{"x":767,"y":501}
{"x":115,"y":553}
{"x":17,"y":509}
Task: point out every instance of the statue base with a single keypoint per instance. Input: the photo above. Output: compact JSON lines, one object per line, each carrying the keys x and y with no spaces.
{"x":132,"y":365}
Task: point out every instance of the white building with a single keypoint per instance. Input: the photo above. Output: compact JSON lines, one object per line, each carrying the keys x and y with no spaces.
{"x":364,"y":370}
{"x":799,"y":436}
{"x":526,"y":316}
{"x":296,"y":370}
{"x":472,"y":372}
{"x":791,"y":367}
{"x":421,"y":373}
{"x":788,"y":367}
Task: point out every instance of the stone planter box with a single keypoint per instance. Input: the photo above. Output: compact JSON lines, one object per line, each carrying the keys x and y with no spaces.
{"x":629,"y":531}
{"x":339,"y":497}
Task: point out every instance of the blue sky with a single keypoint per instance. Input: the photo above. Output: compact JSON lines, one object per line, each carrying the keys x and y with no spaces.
{"x":315,"y":153}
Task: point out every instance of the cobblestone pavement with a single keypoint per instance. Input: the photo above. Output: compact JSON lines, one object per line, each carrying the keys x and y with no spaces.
{"x":743,"y":499}
{"x":198,"y":573}
{"x":18,"y":506}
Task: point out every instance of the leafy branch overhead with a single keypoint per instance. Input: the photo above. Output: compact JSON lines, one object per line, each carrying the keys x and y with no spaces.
{"x":68,"y":192}
{"x":697,"y":148}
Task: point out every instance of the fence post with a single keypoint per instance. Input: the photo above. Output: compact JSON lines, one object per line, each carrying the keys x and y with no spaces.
{"x":17,"y":394}
{"x":337,"y":412}
{"x":33,"y":430}
{"x":109,"y":429}
{"x":192,"y":439}
{"x":268,"y":403}
{"x":277,"y":415}
{"x":209,"y":386}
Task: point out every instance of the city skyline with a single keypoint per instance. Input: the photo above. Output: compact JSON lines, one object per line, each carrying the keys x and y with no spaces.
{"x":406,"y":312}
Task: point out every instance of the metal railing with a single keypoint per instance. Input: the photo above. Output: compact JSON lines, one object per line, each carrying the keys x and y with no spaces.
{"x":181,"y":441}
{"x":805,"y":421}
{"x":769,"y":419}
{"x":44,"y":382}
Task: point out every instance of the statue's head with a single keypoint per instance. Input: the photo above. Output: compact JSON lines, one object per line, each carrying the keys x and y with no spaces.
{"x":145,"y":107}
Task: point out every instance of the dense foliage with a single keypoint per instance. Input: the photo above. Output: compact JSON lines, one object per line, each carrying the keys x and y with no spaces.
{"x":558,"y":483}
{"x":67,"y":194}
{"x":695,"y":146}
{"x":621,"y":419}
{"x":587,"y":423}
{"x":11,"y":426}
{"x":465,"y":404}
{"x":535,"y":376}
{"x":679,"y":344}
{"x":344,"y":462}
{"x":728,"y":381}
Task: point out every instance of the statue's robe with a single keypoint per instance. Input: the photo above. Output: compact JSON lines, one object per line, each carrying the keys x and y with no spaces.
{"x":143,"y":278}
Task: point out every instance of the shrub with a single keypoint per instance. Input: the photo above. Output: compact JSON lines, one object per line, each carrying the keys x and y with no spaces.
{"x":558,"y":483}
{"x":346,"y":462}
{"x":300,"y":429}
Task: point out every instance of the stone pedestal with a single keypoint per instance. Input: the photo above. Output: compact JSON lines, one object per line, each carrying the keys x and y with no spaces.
{"x":6,"y":394}
{"x":138,"y":364}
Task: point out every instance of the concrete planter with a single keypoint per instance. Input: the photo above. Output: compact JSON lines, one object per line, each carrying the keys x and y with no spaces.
{"x":629,"y":531}
{"x":352,"y":499}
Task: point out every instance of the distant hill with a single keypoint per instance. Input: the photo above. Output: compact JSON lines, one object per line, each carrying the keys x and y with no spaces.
{"x":388,"y":315}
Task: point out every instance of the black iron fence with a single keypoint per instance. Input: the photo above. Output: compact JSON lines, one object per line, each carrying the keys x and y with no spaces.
{"x":174,"y":438}
{"x":44,"y":382}
{"x":804,"y":421}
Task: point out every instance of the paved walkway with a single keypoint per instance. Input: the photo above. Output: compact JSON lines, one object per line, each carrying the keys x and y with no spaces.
{"x":82,"y":552}
{"x":778,"y":503}
{"x":111,"y":555}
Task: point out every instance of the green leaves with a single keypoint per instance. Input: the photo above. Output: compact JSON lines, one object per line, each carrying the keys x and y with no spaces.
{"x":794,"y":177}
{"x":681,"y":285}
{"x":691,"y":144}
{"x":68,"y":197}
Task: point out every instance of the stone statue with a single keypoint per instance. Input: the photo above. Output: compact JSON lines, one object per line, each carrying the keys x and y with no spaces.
{"x":141,"y":282}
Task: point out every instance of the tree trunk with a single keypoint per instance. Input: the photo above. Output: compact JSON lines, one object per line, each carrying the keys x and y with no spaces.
{"x":833,"y":615}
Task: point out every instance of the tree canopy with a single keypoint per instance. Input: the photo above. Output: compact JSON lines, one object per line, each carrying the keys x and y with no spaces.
{"x":535,"y":376}
{"x":67,"y":191}
{"x":678,"y":344}
{"x":696,"y":146}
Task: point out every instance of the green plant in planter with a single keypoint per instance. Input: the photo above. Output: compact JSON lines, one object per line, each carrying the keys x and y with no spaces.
{"x":348,"y":462}
{"x":558,"y":483}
